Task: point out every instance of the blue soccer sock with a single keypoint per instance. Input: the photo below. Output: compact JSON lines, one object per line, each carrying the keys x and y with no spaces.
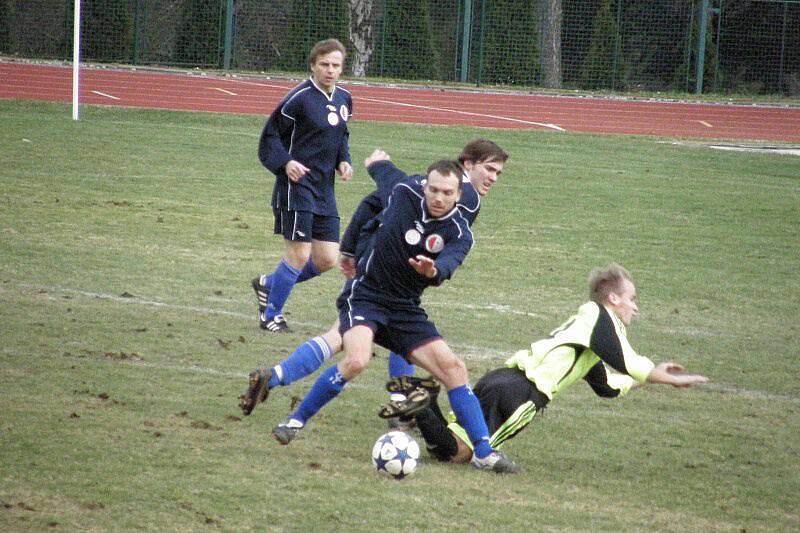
{"x":282,"y":282}
{"x":468,"y":412}
{"x":326,"y":388}
{"x":309,"y":271}
{"x":305,"y":360}
{"x":398,"y":366}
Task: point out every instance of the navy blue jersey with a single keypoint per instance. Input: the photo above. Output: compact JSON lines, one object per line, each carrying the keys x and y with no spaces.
{"x":310,"y":127}
{"x":405,"y":231}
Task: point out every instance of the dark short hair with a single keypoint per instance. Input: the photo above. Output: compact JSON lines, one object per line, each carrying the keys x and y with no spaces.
{"x":447,"y":167}
{"x":604,"y":281}
{"x":326,"y":47}
{"x":481,"y":150}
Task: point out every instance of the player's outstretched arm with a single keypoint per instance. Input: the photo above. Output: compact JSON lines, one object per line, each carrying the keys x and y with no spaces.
{"x":670,"y":373}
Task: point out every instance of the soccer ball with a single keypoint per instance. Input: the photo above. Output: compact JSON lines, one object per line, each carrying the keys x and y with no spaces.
{"x":395,"y":454}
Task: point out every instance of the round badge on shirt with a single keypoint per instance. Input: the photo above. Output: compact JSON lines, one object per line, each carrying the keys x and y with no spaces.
{"x":434,"y":243}
{"x":333,"y":119}
{"x":413,"y":237}
{"x":344,"y":112}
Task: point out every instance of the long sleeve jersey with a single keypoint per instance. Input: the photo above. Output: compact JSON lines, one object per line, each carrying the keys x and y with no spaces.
{"x":590,"y":345}
{"x":309,"y":126}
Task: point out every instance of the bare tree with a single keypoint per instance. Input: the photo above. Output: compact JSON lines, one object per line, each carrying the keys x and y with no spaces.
{"x":361,"y":35}
{"x":552,"y":14}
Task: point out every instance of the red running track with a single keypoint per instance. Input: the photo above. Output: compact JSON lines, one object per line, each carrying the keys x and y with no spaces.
{"x":194,"y":92}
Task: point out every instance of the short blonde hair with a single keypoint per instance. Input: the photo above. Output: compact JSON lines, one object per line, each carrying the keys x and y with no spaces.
{"x":604,"y":281}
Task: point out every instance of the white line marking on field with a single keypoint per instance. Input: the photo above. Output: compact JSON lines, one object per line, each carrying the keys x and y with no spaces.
{"x":475,"y":352}
{"x":224,"y":91}
{"x":106,"y":95}
{"x":704,"y":123}
{"x":459,"y":112}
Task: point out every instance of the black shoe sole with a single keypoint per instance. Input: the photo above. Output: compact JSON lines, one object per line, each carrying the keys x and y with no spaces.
{"x":417,"y":400}
{"x":257,"y":390}
{"x":406,"y":384}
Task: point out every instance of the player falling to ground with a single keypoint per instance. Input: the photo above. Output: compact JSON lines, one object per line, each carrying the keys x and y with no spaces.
{"x":421,"y":240}
{"x":304,"y":143}
{"x":483,"y":162}
{"x":591,"y":345}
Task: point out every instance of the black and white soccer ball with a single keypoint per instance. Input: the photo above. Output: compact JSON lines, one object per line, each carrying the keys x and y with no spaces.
{"x":395,"y":454}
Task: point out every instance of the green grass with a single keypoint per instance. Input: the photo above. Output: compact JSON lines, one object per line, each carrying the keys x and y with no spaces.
{"x":127,"y":242}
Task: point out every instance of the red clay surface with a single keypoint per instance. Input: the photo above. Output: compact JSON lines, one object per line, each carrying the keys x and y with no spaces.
{"x":190,"y":92}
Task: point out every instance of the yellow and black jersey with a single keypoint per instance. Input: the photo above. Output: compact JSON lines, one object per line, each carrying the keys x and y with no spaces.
{"x":590,"y":345}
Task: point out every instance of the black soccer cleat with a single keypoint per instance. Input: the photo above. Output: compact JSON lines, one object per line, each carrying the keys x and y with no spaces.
{"x":416,"y":401}
{"x":257,"y":390}
{"x":285,"y":432}
{"x":276,"y":325}
{"x":406,"y":384}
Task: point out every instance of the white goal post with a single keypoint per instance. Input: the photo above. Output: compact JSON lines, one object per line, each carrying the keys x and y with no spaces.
{"x":76,"y":58}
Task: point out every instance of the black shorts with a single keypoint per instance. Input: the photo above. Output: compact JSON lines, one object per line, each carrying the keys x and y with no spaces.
{"x":303,"y":226}
{"x":501,"y":392}
{"x":398,"y":327}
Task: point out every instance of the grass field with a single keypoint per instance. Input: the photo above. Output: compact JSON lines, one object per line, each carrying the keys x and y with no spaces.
{"x":127,"y":242}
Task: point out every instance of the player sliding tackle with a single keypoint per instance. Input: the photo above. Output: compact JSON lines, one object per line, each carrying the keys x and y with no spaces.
{"x":591,"y":345}
{"x":422,"y":238}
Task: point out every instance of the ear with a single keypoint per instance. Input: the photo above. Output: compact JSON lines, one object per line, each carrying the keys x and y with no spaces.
{"x":468,"y":165}
{"x":613,"y":298}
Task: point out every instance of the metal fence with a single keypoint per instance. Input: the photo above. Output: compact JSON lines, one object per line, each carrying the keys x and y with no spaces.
{"x":746,"y":47}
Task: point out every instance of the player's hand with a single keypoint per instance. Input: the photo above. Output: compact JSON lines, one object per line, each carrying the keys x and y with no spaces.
{"x":684,"y":381}
{"x":677,"y":378}
{"x":671,"y":368}
{"x":423,"y":265}
{"x":347,"y":265}
{"x":375,"y":156}
{"x":296,"y":170}
{"x":345,"y":170}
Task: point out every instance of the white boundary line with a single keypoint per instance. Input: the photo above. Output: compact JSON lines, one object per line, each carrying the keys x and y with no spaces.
{"x":476,"y":352}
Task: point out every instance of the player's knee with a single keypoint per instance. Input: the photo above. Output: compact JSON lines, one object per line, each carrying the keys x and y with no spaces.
{"x":325,"y":263}
{"x":353,"y":366}
{"x":455,"y":370}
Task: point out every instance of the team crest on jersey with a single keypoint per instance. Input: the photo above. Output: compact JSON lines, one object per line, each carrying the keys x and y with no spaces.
{"x":343,"y":111}
{"x":413,"y":237}
{"x":434,"y":243}
{"x":333,"y":118}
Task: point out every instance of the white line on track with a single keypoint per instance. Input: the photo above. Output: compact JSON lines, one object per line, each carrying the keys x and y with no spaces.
{"x":459,"y":112}
{"x":416,"y":106}
{"x":224,"y":91}
{"x":474,"y":352}
{"x":106,"y":95}
{"x":704,"y":123}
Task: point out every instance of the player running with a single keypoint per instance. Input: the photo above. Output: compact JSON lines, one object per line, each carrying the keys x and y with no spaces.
{"x":591,"y":345}
{"x":304,"y":143}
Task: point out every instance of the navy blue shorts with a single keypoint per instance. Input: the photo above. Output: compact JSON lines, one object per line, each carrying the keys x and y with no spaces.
{"x":303,"y":226}
{"x":398,"y":327}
